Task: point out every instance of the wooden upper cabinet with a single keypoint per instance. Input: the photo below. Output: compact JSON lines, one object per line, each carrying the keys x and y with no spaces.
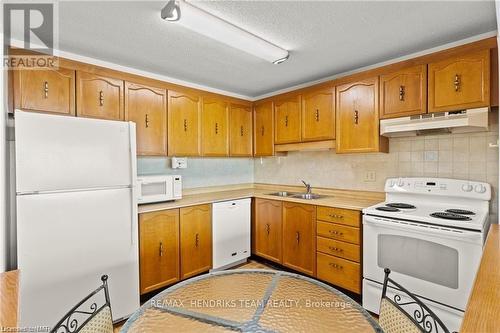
{"x":460,"y":82}
{"x":299,"y":237}
{"x":403,"y":93}
{"x":263,"y":129}
{"x":158,"y":249}
{"x":357,"y":117}
{"x":184,"y":111}
{"x":196,"y":240}
{"x":287,"y":120}
{"x":147,"y":108}
{"x":214,"y":127}
{"x":318,"y":115}
{"x":45,"y":90}
{"x":99,"y":96}
{"x":268,"y":229}
{"x":240,"y":129}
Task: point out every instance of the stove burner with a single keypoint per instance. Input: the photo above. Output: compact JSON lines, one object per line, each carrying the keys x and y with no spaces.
{"x":460,"y":211}
{"x":387,"y":209}
{"x":451,"y":216}
{"x":400,"y":205}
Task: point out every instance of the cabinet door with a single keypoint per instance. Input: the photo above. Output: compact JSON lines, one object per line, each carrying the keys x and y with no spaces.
{"x":196,"y":240}
{"x":287,"y":120}
{"x":240,"y":129}
{"x":99,"y":96}
{"x":460,"y":82}
{"x":403,"y":93}
{"x":299,"y":237}
{"x":45,"y":90}
{"x":268,"y":229}
{"x":263,"y":129}
{"x":147,"y":108}
{"x":183,"y":124}
{"x":158,"y":249}
{"x":357,"y":117}
{"x":318,"y":115}
{"x":214,"y":127}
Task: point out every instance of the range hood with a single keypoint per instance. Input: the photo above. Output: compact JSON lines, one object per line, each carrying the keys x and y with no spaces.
{"x":464,"y":121}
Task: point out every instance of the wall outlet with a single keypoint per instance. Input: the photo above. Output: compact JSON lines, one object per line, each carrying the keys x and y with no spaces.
{"x":370,"y":176}
{"x":179,"y":162}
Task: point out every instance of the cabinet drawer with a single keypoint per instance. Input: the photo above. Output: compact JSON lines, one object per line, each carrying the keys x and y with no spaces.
{"x":338,"y":215}
{"x":338,"y":249}
{"x":337,"y":231}
{"x":340,"y":272}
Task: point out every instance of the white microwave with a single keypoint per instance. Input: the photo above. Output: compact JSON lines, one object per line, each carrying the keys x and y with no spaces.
{"x":158,"y":188}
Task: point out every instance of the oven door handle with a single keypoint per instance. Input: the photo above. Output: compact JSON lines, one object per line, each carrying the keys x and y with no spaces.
{"x":421,"y":228}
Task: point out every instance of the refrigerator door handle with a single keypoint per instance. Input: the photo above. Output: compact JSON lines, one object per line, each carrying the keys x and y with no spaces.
{"x":133,"y":180}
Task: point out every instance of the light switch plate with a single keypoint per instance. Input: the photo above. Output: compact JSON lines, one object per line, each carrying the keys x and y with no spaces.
{"x":370,"y":176}
{"x":179,"y":162}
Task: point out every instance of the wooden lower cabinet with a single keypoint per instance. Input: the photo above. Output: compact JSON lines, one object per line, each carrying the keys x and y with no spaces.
{"x":340,"y":272}
{"x":339,"y":247}
{"x":196,"y":240}
{"x":268,"y":229}
{"x":158,"y":249}
{"x":299,"y":237}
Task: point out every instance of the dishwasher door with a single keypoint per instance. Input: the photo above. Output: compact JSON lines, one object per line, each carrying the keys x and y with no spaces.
{"x":231,"y":232}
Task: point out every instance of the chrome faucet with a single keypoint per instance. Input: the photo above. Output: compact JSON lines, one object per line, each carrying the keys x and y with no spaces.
{"x":308,"y":187}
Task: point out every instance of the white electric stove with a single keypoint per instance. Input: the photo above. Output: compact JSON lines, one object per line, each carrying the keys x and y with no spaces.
{"x":430,"y":232}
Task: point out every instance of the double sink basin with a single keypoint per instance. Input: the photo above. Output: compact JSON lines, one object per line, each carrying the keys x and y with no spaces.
{"x":306,"y":196}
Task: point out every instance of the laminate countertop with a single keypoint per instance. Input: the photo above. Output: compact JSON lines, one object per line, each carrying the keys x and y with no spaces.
{"x":483,"y":310}
{"x":356,"y":200}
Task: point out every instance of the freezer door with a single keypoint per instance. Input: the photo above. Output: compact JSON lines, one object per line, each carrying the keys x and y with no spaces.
{"x":66,"y":241}
{"x":57,"y":153}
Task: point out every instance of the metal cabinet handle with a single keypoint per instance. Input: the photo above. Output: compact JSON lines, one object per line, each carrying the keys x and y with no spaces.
{"x":161,"y":249}
{"x":262,"y":130}
{"x":335,"y":216}
{"x":336,"y":266}
{"x":147,"y":120}
{"x":297,"y":237}
{"x":356,"y":117}
{"x":241,"y":131}
{"x":197,"y":240}
{"x":216,"y":128}
{"x":317,"y":115}
{"x":335,"y":232}
{"x":46,"y":89}
{"x":101,"y":98}
{"x":268,"y":228}
{"x":185,"y":125}
{"x":286,"y":121}
{"x":457,"y":82}
{"x":401,"y":93}
{"x":336,"y":249}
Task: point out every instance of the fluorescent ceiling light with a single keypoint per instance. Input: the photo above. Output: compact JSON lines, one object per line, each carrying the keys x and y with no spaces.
{"x":213,"y":27}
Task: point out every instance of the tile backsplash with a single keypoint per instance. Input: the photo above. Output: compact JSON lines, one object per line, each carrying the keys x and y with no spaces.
{"x":201,"y":172}
{"x":461,"y":156}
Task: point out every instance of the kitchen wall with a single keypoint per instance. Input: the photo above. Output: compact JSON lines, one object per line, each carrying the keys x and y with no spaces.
{"x":462,"y":156}
{"x":201,"y":172}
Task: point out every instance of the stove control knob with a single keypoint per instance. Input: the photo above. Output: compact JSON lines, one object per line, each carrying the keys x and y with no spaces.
{"x":467,"y":187}
{"x":392,"y":182}
{"x":480,"y":188}
{"x":401,"y":182}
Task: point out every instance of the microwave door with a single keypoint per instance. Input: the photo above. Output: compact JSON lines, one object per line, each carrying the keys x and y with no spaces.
{"x":154,"y":191}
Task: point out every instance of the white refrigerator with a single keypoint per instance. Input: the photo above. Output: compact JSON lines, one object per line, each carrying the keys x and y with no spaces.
{"x":76,"y":214}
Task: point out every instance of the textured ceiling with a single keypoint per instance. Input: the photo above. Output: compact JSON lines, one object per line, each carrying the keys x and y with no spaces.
{"x":324,"y":38}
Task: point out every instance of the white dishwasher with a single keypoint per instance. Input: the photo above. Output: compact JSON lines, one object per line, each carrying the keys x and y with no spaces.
{"x":230,"y":232}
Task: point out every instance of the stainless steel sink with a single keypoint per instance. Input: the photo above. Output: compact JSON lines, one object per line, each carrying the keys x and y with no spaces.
{"x":307,"y":196}
{"x":283,"y":194}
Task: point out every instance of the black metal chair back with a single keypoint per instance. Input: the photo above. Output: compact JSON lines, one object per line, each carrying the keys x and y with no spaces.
{"x":421,"y":315}
{"x":87,"y":309}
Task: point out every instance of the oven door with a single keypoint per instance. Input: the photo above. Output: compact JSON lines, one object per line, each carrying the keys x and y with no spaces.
{"x":436,"y":263}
